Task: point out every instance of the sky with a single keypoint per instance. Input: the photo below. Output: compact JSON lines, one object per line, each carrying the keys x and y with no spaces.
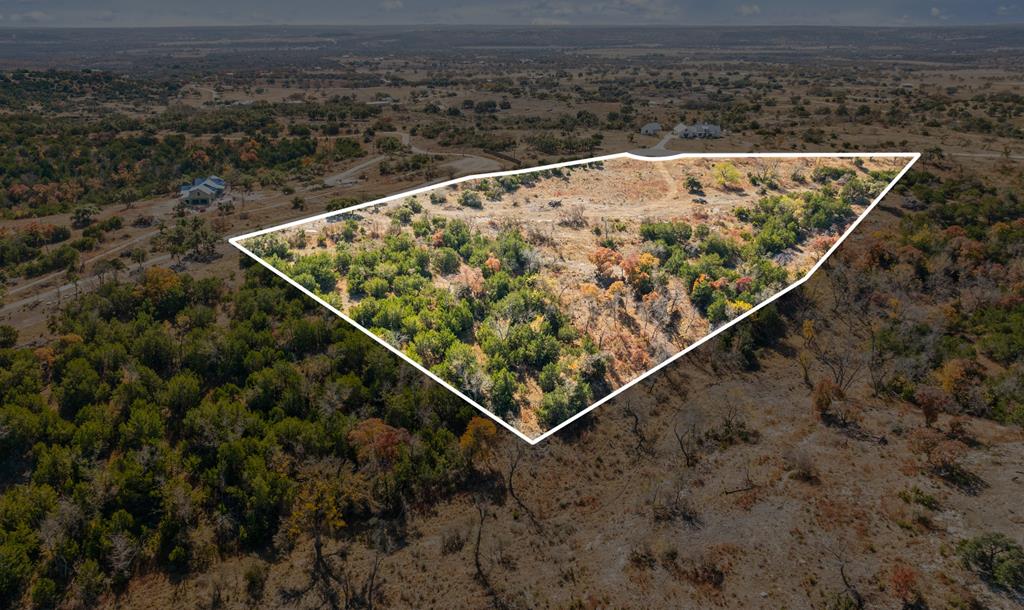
{"x":132,"y":13}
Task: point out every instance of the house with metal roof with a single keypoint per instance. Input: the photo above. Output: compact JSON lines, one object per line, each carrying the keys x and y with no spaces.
{"x":203,"y":191}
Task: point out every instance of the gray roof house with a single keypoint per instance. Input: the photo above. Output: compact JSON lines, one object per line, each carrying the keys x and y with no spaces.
{"x":650,"y":129}
{"x":203,"y":191}
{"x":698,"y":130}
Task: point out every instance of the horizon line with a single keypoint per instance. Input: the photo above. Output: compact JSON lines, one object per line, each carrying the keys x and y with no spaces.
{"x":542,"y":26}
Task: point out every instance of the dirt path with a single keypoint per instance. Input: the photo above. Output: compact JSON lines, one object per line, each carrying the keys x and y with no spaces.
{"x":352,"y":172}
{"x":57,"y":290}
{"x":102,"y":254}
{"x":463,"y":163}
{"x":671,"y":185}
{"x":987,"y":155}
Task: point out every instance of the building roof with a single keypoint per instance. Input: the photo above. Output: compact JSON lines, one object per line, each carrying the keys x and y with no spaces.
{"x":201,"y":189}
{"x":210,"y":185}
{"x":698,"y":128}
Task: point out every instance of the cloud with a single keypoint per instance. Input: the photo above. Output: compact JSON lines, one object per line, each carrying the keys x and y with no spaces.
{"x":549,"y":21}
{"x":620,"y":12}
{"x":748,"y":10}
{"x":31,"y":17}
{"x":35,"y":13}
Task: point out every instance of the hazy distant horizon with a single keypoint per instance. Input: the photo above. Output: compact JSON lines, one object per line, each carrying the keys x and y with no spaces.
{"x":679,"y":13}
{"x":496,"y":26}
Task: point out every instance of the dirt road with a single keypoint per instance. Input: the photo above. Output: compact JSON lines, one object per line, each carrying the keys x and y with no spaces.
{"x":352,"y":173}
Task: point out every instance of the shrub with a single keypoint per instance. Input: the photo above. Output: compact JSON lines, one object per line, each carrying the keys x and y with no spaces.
{"x":554,"y":407}
{"x":825,"y":392}
{"x":827,"y":173}
{"x":605,"y":259}
{"x":904,"y":583}
{"x":347,"y":148}
{"x":446,"y":261}
{"x":776,"y":221}
{"x":639,"y":271}
{"x":320,"y":268}
{"x":503,"y":390}
{"x":402,"y":215}
{"x":462,"y":367}
{"x":255,"y":580}
{"x":726,"y":175}
{"x":671,"y":233}
{"x":856,"y":191}
{"x":915,"y":495}
{"x":717,"y":309}
{"x":996,"y":558}
{"x":89,"y":583}
{"x":430,"y":345}
{"x":549,"y":377}
{"x":8,"y":336}
{"x":823,"y":211}
{"x":45,"y":593}
{"x":455,"y":234}
{"x":774,"y":237}
{"x":725,"y":248}
{"x":477,"y":441}
{"x":15,"y":569}
{"x":564,"y":402}
{"x":515,"y":254}
{"x":470,"y":199}
{"x":376,"y":287}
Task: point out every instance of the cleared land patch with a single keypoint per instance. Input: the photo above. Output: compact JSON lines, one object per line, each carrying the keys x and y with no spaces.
{"x":538,"y":294}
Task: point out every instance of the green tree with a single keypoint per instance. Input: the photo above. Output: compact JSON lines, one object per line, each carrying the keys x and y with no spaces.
{"x":83,"y":215}
{"x":996,"y":558}
{"x":726,"y":175}
{"x":503,"y":394}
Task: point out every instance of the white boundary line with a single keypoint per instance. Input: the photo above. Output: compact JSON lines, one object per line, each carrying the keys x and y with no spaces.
{"x":626,"y":155}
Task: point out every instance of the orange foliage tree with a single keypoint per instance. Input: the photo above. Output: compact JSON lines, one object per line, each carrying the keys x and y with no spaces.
{"x":376,"y":443}
{"x":605,"y":259}
{"x":477,"y":442}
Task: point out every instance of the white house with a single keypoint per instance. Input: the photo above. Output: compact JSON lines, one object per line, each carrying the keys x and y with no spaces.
{"x":698,"y":130}
{"x":650,"y":129}
{"x":203,"y":191}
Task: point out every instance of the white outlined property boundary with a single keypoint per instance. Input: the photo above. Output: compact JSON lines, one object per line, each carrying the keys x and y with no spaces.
{"x":913,"y":157}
